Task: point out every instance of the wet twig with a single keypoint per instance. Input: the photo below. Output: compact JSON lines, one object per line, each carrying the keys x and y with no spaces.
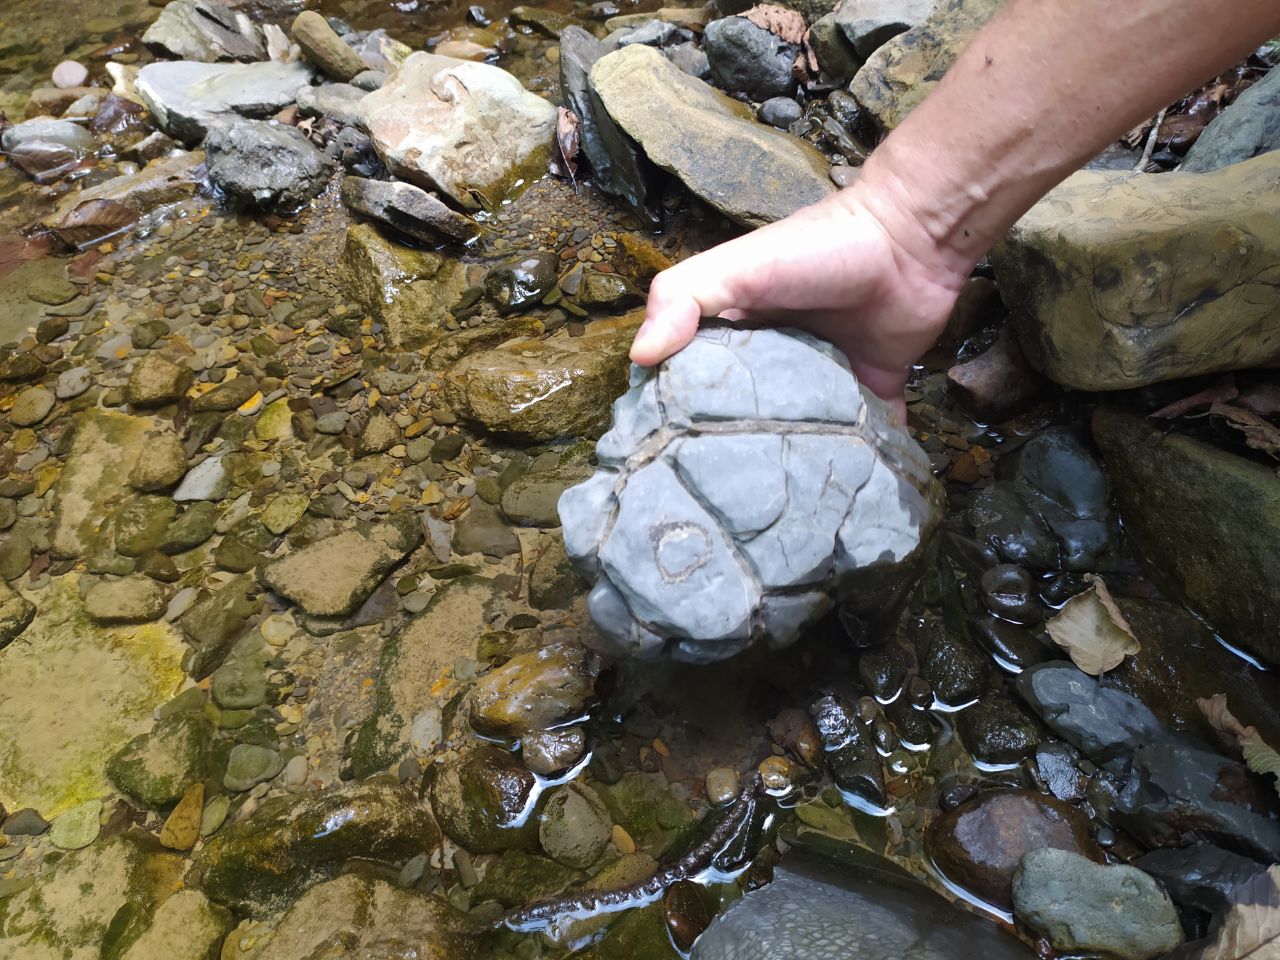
{"x":1151,"y":142}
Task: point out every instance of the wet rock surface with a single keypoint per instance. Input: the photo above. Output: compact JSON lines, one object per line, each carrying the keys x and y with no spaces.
{"x":664,"y":494}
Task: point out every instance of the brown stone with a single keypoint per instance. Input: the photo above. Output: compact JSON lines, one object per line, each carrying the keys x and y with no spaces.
{"x":534,"y":690}
{"x":999,"y":383}
{"x":323,"y":47}
{"x":978,"y":845}
{"x":1117,"y":280}
{"x":182,"y":829}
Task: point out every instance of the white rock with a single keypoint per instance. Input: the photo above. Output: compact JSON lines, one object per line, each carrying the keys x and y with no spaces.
{"x":69,"y":73}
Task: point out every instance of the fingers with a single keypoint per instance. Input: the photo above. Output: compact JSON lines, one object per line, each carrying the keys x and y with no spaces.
{"x":888,"y":385}
{"x":699,"y":287}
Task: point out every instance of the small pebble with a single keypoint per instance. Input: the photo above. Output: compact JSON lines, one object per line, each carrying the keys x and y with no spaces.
{"x":69,"y":73}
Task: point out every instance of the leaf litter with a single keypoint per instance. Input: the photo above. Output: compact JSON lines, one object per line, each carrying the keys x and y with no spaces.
{"x":1093,"y":631}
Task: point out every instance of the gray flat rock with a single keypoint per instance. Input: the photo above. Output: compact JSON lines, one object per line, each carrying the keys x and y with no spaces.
{"x":185,"y":96}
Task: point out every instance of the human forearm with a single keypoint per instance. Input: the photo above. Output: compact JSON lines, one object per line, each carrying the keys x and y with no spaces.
{"x":1040,"y":90}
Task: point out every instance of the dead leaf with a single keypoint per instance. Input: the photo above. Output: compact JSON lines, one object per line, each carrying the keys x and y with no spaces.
{"x":1258,"y":756}
{"x":1250,"y":929}
{"x":569,"y":139}
{"x":787,"y":24}
{"x":1258,"y":433}
{"x":1093,"y":631}
{"x":1220,"y":392}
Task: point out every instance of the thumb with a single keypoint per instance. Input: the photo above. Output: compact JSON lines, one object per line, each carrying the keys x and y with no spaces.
{"x":678,"y":298}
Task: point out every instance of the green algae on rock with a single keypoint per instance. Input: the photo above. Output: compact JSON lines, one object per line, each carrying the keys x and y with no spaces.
{"x":16,"y":614}
{"x":415,"y":664}
{"x":407,"y":291}
{"x":484,"y":801}
{"x":186,"y":926}
{"x":157,"y":766}
{"x":95,"y":903}
{"x":534,"y":690}
{"x":259,"y":864}
{"x":369,"y":917}
{"x":54,"y":754}
{"x":536,"y":390}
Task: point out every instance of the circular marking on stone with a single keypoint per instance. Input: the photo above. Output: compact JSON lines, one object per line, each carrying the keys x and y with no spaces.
{"x":679,"y":549}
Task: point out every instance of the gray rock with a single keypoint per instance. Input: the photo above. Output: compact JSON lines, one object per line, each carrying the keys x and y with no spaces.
{"x":780,"y":112}
{"x":869,"y":24}
{"x":749,"y":172}
{"x":265,"y":165}
{"x":185,"y":97}
{"x":340,"y":101}
{"x":408,"y":209}
{"x":803,"y":915}
{"x":575,"y":826}
{"x":250,"y":764}
{"x":1103,"y":722}
{"x":1085,"y":907}
{"x":1178,"y":794}
{"x":71,"y":383}
{"x":323,"y":47}
{"x":31,"y":406}
{"x":1248,"y":127}
{"x":1201,"y":876}
{"x":620,"y":169}
{"x":836,"y":57}
{"x":204,"y":30}
{"x":749,"y":60}
{"x":690,"y":58}
{"x":764,"y":485}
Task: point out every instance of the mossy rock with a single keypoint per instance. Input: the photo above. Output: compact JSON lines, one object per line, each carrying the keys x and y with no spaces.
{"x":141,"y":524}
{"x":520,"y":878}
{"x":156,"y":767}
{"x":482,"y":801}
{"x":642,"y":805}
{"x":215,"y":621}
{"x":259,"y":865}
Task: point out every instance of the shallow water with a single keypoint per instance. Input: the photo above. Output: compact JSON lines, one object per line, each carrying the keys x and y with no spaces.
{"x":72,"y":693}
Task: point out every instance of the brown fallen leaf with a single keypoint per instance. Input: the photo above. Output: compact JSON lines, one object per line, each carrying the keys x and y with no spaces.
{"x":569,"y":139}
{"x":1222,"y":390}
{"x":1093,"y":631}
{"x":1258,"y":756}
{"x":788,"y":25}
{"x":1250,"y":929}
{"x":1259,"y":434}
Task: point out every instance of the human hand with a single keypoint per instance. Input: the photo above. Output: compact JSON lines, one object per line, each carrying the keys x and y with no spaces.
{"x":835,"y":269}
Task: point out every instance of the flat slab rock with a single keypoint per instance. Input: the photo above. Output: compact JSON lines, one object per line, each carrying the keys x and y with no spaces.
{"x":185,"y":96}
{"x":744,"y":488}
{"x":751,"y":173}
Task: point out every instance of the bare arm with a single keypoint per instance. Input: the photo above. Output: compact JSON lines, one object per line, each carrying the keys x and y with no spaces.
{"x":876,"y":267}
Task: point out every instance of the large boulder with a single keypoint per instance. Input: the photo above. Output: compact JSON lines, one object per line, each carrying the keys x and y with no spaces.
{"x":750,"y":172}
{"x":185,"y":97}
{"x":747,"y":484}
{"x":1207,"y":522}
{"x":261,"y":164}
{"x":902,"y":72}
{"x":538,"y":390}
{"x":1120,"y":280}
{"x":469,"y":130}
{"x":407,"y":291}
{"x":1247,"y":128}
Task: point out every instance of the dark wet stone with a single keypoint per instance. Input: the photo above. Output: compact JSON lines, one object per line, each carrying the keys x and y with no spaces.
{"x":1248,"y":127}
{"x":999,"y":383}
{"x":215,"y":621}
{"x":549,"y":753}
{"x":619,"y":167}
{"x":534,"y":691}
{"x":978,"y":844}
{"x":243,"y":547}
{"x":518,"y":878}
{"x":192,"y":527}
{"x":1056,"y":766}
{"x":259,"y":864}
{"x":1008,"y":642}
{"x":1201,"y":876}
{"x":481,"y":801}
{"x":515,"y":284}
{"x":956,"y":672}
{"x":884,"y":669}
{"x":1102,"y":722}
{"x":804,"y":915}
{"x":1001,"y":519}
{"x":850,"y":752}
{"x":141,"y":524}
{"x":1008,"y":592}
{"x":1063,"y":482}
{"x":686,"y":913}
{"x":998,"y":730}
{"x":408,"y":209}
{"x":24,"y":823}
{"x":914,"y":727}
{"x":749,"y":60}
{"x":780,"y":112}
{"x":226,"y":396}
{"x":1178,"y":794}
